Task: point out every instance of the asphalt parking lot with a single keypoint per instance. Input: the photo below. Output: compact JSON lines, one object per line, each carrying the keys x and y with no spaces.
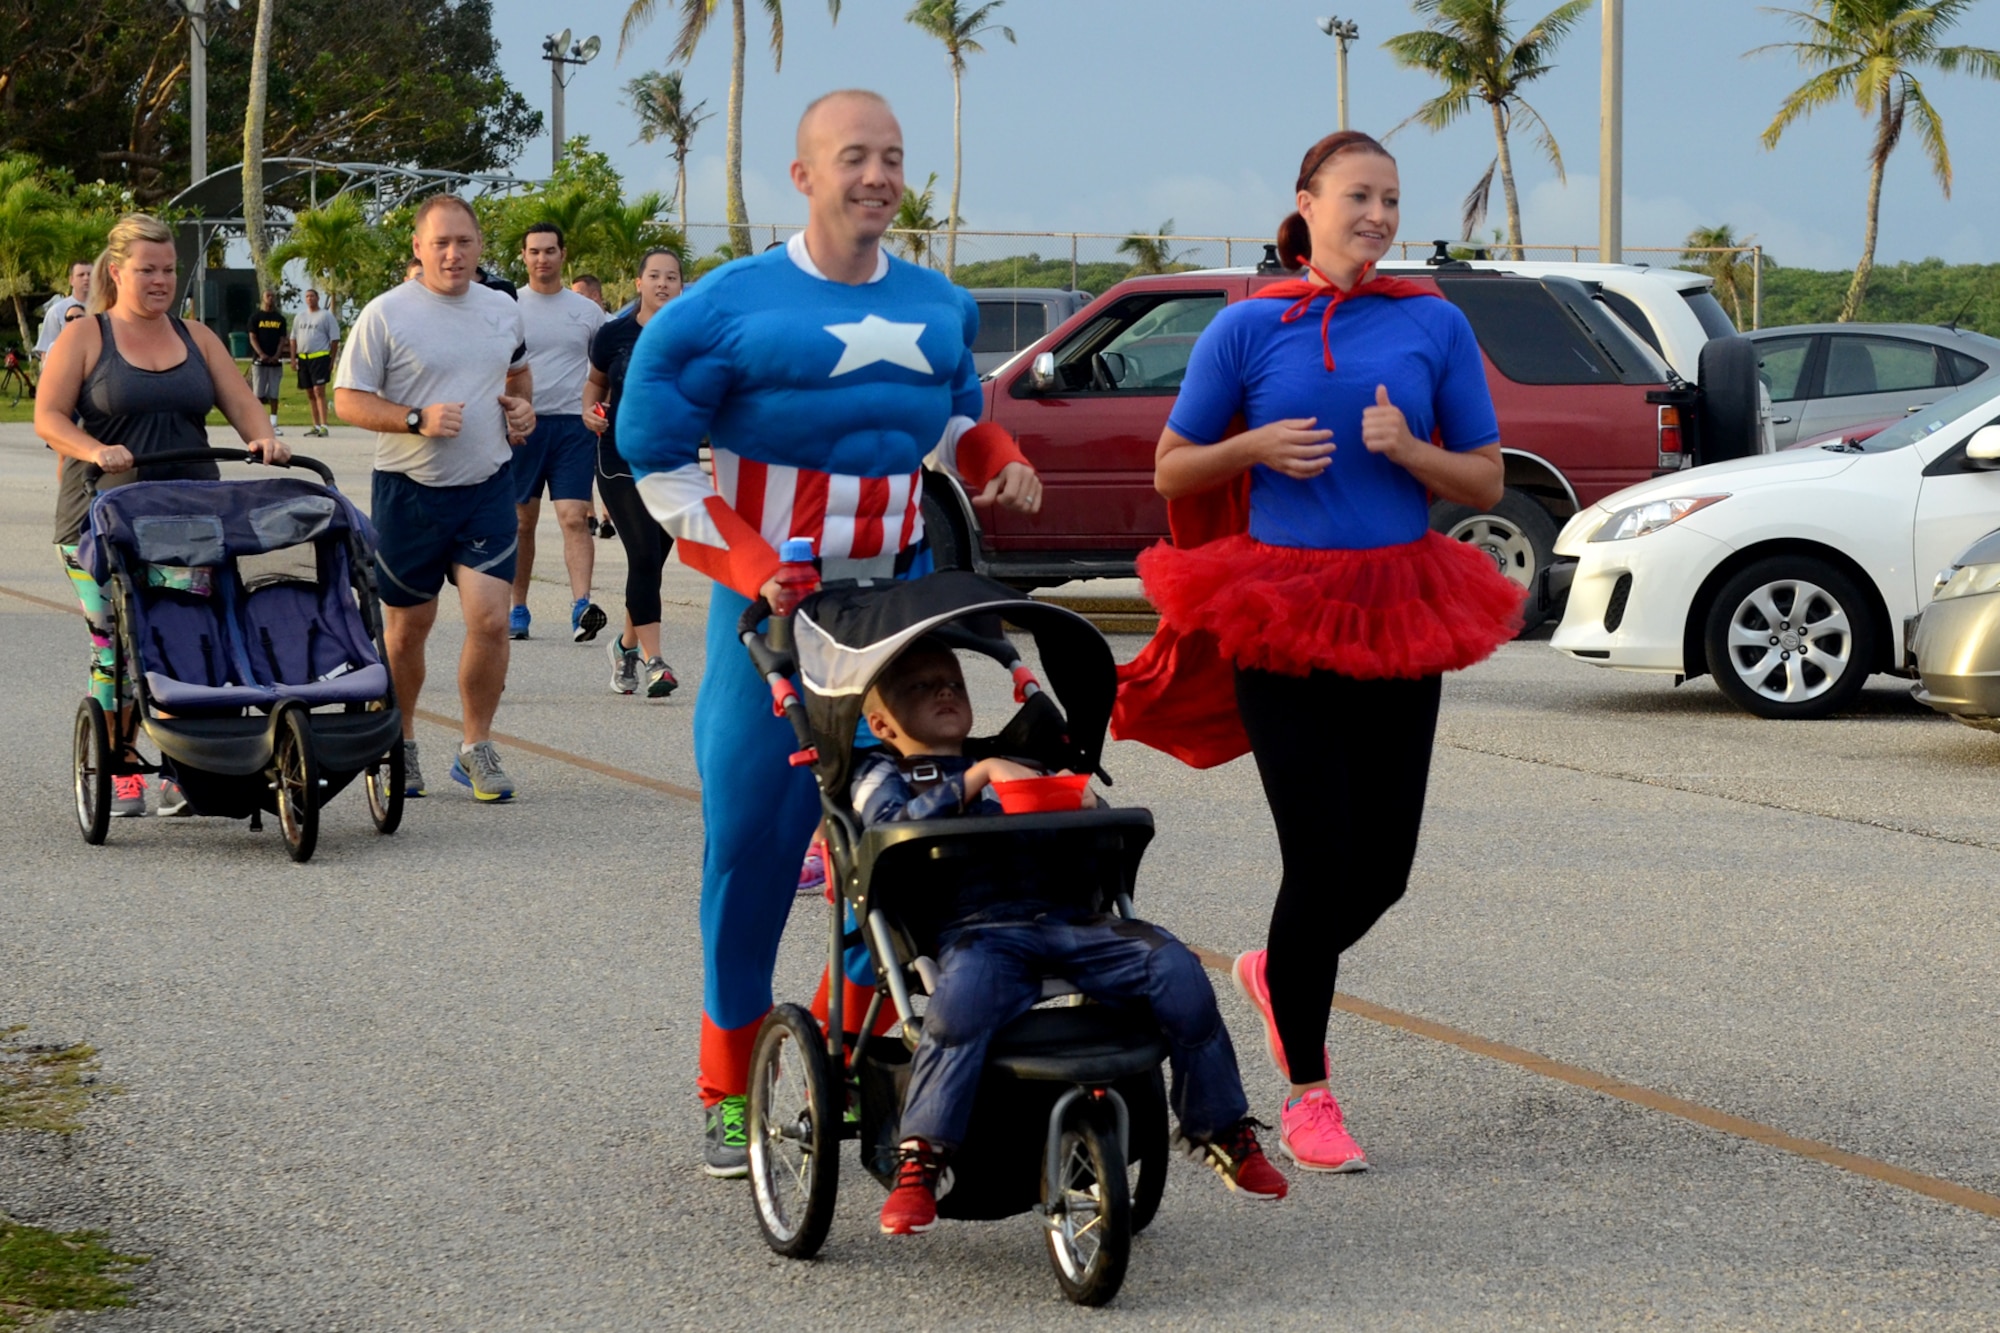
{"x":1689,"y":1021}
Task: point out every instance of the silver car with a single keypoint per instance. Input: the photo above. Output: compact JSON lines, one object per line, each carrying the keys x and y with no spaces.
{"x":1957,"y":638}
{"x":1823,"y":377}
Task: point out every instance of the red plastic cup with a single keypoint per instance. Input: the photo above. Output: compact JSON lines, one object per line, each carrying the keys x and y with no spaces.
{"x":1029,"y":796}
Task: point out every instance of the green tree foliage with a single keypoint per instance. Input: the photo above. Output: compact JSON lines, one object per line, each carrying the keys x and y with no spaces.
{"x":959,"y":29}
{"x":1929,"y":291}
{"x":1870,"y":52}
{"x":99,"y":88}
{"x":1705,"y":253}
{"x":1152,"y":252}
{"x":1034,"y":270}
{"x":911,"y":231}
{"x":341,"y":252}
{"x":31,"y":231}
{"x":1470,"y":47}
{"x":660,"y":102}
{"x":695,"y":16}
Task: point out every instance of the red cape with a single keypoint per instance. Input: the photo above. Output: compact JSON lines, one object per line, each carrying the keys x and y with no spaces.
{"x":1179,"y":694}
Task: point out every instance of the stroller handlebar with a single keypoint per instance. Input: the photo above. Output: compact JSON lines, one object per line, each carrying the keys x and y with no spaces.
{"x":776,"y":663}
{"x":93,"y":472}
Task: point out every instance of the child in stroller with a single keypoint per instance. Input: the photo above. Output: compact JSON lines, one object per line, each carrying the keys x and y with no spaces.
{"x":1006,"y":936}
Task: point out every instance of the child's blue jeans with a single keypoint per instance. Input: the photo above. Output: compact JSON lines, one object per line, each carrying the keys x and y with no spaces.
{"x":990,"y":973}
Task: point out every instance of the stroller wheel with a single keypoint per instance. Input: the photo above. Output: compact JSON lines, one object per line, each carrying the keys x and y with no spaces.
{"x":296,"y":780}
{"x":93,"y":772}
{"x":1151,"y":1148}
{"x":1087,"y":1209}
{"x":384,"y":781}
{"x":794,"y":1130}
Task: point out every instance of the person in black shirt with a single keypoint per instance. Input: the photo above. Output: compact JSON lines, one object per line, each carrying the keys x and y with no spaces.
{"x":637,"y":649}
{"x":267,"y":356}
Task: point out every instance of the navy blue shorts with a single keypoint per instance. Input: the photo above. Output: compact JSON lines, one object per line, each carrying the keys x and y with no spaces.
{"x":561,"y":453}
{"x":423,"y":532}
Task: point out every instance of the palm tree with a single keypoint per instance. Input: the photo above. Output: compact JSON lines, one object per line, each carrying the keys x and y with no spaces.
{"x":959,"y":31}
{"x":1469,"y":46}
{"x":335,"y":243}
{"x":1868,"y":49}
{"x":914,"y":228}
{"x":254,"y":227}
{"x":1708,"y":251}
{"x":623,"y":233}
{"x":576,"y":208}
{"x":695,"y":15}
{"x":661,"y":105}
{"x":1151,"y":251}
{"x":31,"y":233}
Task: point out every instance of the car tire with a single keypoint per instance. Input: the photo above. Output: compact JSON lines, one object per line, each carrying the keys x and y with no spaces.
{"x":1790,"y":638}
{"x":1727,"y":414}
{"x":950,"y":548}
{"x":1518,"y":534}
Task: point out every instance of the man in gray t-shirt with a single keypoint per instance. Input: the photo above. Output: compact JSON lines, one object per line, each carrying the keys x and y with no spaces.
{"x":315,"y":342}
{"x":437,"y":367}
{"x":561,"y":456}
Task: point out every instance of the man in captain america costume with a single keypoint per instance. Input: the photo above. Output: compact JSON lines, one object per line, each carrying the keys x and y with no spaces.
{"x":822,"y":374}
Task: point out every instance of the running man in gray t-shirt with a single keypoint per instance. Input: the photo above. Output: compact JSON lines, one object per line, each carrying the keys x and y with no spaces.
{"x":437,"y":368}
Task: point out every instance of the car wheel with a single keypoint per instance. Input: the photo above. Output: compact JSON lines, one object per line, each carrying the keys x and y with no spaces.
{"x":1517,"y":534}
{"x":1791,"y":637}
{"x":949,"y":547}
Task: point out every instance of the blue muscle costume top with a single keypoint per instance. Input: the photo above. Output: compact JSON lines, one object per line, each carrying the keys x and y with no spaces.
{"x":1249,"y":362}
{"x":820,"y":400}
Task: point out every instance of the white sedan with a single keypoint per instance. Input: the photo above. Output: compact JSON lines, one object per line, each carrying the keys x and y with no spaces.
{"x":1789,"y":576}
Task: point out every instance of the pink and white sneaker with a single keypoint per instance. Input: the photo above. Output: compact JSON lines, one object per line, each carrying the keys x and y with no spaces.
{"x":1248,"y":972}
{"x":1314,"y":1134}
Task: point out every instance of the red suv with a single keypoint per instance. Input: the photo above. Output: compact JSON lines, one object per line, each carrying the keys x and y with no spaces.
{"x":1585,"y":408}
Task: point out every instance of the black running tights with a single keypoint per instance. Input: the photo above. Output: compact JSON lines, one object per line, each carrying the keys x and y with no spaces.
{"x":646,"y":546}
{"x":1344,"y":763}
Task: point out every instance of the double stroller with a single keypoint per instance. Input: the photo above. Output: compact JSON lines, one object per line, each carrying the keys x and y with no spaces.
{"x":247,"y":647}
{"x":1070,"y":1122}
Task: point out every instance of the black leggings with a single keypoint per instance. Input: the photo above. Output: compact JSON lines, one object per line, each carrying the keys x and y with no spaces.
{"x":646,"y":546}
{"x":1345,"y":763}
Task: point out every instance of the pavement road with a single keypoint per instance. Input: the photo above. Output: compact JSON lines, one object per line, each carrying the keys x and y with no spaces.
{"x":442,"y":1080}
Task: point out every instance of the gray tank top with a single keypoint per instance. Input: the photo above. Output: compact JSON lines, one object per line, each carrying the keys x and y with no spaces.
{"x":147,"y":411}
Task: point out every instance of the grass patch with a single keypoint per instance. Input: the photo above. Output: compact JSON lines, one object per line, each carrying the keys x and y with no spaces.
{"x":42,"y":1271}
{"x":43,"y":1086}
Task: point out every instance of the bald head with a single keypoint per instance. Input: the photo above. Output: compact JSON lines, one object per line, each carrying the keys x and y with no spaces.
{"x":832,"y":116}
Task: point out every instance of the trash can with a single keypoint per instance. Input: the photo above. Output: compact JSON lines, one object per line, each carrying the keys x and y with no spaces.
{"x":239,"y":346}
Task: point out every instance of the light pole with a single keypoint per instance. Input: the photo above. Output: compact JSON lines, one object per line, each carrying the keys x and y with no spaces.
{"x":1342,"y":31}
{"x":561,"y":56}
{"x":197,"y":12}
{"x":1611,"y":139}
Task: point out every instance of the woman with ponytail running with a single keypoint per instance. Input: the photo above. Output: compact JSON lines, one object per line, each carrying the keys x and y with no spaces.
{"x":1307,"y":611}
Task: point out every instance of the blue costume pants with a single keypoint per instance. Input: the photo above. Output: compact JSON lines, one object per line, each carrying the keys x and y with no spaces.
{"x":990,"y":973}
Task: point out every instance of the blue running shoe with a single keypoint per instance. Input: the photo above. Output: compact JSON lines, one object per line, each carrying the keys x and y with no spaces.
{"x":517,"y":623}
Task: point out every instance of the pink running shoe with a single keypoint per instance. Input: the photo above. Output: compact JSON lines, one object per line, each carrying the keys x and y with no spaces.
{"x":1314,"y":1134}
{"x":1249,"y":974}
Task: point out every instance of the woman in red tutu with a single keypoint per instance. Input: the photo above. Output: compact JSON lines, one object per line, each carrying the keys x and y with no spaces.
{"x":1315,"y":633}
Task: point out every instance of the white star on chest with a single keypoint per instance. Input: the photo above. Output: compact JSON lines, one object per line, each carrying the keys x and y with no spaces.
{"x":877,"y":339}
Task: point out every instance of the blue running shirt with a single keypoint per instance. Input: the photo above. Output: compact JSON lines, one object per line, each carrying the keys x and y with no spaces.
{"x":1249,"y":362}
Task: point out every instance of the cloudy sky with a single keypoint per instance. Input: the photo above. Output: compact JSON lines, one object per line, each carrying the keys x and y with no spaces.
{"x":1112,"y":115}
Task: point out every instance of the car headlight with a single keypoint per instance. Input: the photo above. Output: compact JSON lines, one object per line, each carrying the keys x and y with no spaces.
{"x":1966,"y":581}
{"x":1651,"y":516}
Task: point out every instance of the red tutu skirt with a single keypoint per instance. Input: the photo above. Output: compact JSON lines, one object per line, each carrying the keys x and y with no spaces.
{"x":1429,"y":606}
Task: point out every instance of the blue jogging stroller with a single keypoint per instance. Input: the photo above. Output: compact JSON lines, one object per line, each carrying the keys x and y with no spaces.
{"x":247,"y":647}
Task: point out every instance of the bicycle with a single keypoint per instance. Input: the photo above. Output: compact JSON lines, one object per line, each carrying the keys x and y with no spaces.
{"x":18,"y":376}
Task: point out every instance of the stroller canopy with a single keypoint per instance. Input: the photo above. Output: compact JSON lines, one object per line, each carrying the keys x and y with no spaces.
{"x":846,"y":635}
{"x":209,"y":522}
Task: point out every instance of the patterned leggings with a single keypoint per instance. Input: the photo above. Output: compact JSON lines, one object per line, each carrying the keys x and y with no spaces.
{"x":96,"y":601}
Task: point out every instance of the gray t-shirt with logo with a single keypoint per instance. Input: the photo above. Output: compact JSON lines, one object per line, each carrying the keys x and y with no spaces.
{"x":314,"y":331}
{"x":559,"y":326}
{"x":413,"y":346}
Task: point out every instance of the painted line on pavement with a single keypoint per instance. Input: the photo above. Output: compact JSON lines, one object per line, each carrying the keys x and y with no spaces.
{"x":1932,"y":1187}
{"x":1651,"y":1099}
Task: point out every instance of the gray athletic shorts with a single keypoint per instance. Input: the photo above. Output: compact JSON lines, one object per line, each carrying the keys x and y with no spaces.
{"x":267,"y":381}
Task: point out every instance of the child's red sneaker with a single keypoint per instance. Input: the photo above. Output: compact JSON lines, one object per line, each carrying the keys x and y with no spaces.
{"x":911,"y":1207}
{"x":1239,"y":1159}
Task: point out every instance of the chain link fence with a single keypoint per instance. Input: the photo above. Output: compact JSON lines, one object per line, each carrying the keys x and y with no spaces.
{"x":1094,"y":261}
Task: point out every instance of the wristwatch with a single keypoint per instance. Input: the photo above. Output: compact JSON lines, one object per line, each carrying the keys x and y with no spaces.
{"x":414,"y":419}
